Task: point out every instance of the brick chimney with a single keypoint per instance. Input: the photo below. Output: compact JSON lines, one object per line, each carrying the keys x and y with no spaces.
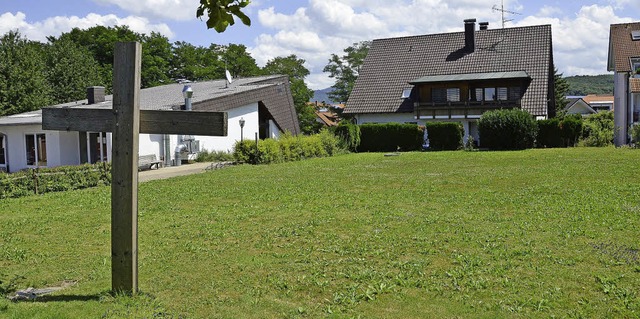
{"x":469,"y":34}
{"x":484,"y":25}
{"x":95,"y":94}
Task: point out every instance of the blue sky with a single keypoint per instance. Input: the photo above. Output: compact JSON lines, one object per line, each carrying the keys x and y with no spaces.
{"x":314,"y":29}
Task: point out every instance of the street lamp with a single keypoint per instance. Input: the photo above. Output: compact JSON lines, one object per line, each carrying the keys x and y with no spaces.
{"x":241,"y":128}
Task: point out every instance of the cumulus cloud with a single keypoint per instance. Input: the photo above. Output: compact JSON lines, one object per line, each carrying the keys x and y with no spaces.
{"x":54,"y":26}
{"x":322,"y":27}
{"x":166,"y":9}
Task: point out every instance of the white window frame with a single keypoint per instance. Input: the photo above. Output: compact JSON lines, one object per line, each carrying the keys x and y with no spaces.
{"x":104,"y":156}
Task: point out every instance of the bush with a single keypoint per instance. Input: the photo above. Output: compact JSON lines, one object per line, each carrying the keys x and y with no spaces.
{"x":287,"y":148}
{"x":507,"y":129}
{"x":214,"y":156}
{"x":598,"y":130}
{"x":349,"y":135}
{"x":445,"y":135}
{"x":635,"y":136}
{"x":62,"y":178}
{"x":390,"y":137}
{"x":549,"y":133}
{"x":571,"y":129}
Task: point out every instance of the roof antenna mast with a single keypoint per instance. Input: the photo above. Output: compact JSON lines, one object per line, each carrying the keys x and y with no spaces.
{"x":503,"y":11}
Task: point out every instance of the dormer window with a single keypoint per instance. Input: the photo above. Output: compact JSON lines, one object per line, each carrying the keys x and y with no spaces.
{"x":406,"y":93}
{"x":635,"y":35}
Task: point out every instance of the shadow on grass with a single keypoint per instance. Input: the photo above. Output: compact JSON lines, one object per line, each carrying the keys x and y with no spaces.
{"x":67,"y":298}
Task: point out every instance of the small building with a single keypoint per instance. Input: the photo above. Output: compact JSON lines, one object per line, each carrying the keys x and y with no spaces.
{"x":624,"y":61}
{"x":600,"y":103}
{"x":264,"y":104}
{"x":579,"y":106}
{"x":456,"y":76}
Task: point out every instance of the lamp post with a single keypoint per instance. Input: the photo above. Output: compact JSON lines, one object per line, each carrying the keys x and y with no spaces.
{"x":241,"y":128}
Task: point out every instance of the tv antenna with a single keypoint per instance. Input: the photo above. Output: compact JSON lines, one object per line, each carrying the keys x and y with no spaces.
{"x":503,"y":11}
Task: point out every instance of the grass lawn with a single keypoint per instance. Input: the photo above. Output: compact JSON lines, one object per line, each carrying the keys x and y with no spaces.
{"x":528,"y":234}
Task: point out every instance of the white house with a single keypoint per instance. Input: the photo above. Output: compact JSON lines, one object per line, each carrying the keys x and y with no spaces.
{"x":264,"y":104}
{"x":455,"y":76}
{"x":624,"y":60}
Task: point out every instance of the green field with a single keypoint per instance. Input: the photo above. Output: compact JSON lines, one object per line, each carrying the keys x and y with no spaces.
{"x":529,"y":234}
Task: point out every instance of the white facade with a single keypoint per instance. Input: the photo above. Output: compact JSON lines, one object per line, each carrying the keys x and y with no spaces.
{"x":63,"y":148}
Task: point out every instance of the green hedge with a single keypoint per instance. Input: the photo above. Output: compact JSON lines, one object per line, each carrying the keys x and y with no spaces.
{"x":62,"y":178}
{"x":287,"y":148}
{"x":445,"y":135}
{"x":598,"y":130}
{"x":390,"y":137}
{"x":549,"y":133}
{"x":512,"y":129}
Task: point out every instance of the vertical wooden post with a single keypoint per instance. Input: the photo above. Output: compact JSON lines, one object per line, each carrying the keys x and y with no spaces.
{"x":124,"y":184}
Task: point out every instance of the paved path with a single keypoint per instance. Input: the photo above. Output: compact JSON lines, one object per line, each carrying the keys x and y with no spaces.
{"x":172,"y":171}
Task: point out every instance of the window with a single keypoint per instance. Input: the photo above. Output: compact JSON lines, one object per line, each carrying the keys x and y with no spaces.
{"x":476,"y":94}
{"x":453,"y":95}
{"x":503,"y":94}
{"x":445,"y":95}
{"x":489,"y":94}
{"x":406,"y":93}
{"x":3,"y":156}
{"x":97,"y":147}
{"x":635,"y":35}
{"x":514,"y":93}
{"x":36,"y":149}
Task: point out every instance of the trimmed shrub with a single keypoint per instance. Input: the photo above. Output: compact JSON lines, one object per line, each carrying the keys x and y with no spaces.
{"x":62,"y":178}
{"x":390,"y":137}
{"x":571,"y":129}
{"x":349,"y":135}
{"x":445,"y":135}
{"x":635,"y":136}
{"x":287,"y":148}
{"x":214,"y":156}
{"x":513,"y":129}
{"x":549,"y":133}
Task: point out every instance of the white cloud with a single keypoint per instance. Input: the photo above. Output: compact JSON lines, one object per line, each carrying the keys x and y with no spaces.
{"x":322,"y":27}
{"x":54,"y":26}
{"x":167,"y":9}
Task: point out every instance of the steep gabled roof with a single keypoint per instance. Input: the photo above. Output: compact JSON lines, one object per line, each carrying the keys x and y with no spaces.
{"x":622,"y":47}
{"x":272,"y":91}
{"x":394,"y":62}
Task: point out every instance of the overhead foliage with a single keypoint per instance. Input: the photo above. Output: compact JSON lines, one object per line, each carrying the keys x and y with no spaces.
{"x":220,"y":13}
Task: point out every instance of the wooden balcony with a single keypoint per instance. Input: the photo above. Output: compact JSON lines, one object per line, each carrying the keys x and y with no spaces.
{"x":460,"y":110}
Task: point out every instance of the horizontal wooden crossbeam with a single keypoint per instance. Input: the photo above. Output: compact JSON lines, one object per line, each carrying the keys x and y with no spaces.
{"x":151,"y":121}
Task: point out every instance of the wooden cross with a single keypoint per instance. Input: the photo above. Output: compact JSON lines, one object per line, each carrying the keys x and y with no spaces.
{"x":125,"y":120}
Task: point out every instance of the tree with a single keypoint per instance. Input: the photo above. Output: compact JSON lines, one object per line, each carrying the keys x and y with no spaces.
{"x":23,"y":84}
{"x":70,"y":69}
{"x":345,"y":70}
{"x":220,"y":13}
{"x":295,"y":69}
{"x":156,"y":53}
{"x":560,"y":89}
{"x":239,"y":62}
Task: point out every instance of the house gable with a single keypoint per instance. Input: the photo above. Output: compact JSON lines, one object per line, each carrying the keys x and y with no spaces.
{"x":622,"y":47}
{"x":393,"y":63}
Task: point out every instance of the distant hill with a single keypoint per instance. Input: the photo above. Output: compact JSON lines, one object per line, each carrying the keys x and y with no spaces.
{"x":321,"y":95}
{"x":580,"y":85}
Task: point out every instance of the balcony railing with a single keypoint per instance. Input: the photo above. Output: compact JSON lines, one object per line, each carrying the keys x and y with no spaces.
{"x":462,"y":109}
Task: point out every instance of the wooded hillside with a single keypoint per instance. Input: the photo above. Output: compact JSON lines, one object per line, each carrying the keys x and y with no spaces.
{"x":590,"y":84}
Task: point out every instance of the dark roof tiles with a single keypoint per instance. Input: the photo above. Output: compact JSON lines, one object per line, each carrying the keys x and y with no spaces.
{"x":393,"y":62}
{"x":622,"y":46}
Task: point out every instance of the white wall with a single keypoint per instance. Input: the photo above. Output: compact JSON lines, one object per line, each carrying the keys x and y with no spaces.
{"x":62,"y":147}
{"x":151,"y":144}
{"x":620,"y":84}
{"x":226,"y":143}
